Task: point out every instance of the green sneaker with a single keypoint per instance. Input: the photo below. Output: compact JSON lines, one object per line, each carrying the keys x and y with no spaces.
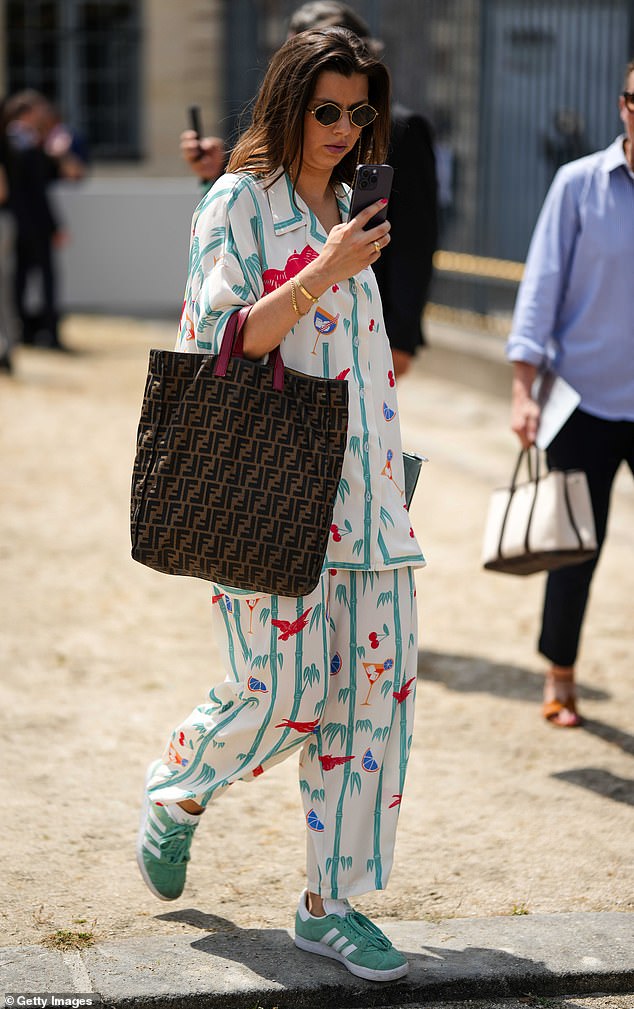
{"x":348,"y":936}
{"x":163,"y":847}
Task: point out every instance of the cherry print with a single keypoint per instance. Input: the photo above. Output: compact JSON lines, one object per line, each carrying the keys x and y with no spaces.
{"x":375,"y":638}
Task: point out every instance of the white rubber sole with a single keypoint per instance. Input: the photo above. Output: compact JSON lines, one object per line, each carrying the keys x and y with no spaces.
{"x":364,"y":972}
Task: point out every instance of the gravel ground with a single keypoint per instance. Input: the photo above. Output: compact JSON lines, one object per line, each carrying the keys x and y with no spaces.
{"x":503,"y":814}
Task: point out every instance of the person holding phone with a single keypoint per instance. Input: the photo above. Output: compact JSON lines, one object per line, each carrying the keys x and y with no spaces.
{"x":331,"y":676}
{"x":404,"y":271}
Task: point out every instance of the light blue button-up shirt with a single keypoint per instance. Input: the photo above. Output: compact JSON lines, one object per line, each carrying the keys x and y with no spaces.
{"x":575,"y":307}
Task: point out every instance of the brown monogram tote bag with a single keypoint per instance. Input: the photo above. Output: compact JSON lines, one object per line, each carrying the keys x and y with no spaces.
{"x":237,"y":468}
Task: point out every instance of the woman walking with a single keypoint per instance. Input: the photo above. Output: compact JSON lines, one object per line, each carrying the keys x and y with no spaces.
{"x":330,"y":676}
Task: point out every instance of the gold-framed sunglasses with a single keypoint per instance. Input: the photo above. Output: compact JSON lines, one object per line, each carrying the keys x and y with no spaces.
{"x":329,"y":114}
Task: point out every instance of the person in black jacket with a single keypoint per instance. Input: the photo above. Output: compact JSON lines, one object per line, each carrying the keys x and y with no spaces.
{"x":405,"y":273}
{"x":413,"y":209}
{"x":30,"y":170}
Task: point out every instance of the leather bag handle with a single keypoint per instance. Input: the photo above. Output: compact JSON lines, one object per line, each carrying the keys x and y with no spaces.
{"x":232,"y":346}
{"x":532,"y":461}
{"x":531,"y":453}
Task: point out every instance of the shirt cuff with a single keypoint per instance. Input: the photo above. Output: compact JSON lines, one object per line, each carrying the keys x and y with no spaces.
{"x":520,"y":349}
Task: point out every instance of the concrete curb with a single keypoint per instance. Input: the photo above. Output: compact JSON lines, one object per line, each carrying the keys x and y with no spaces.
{"x":543,"y":955}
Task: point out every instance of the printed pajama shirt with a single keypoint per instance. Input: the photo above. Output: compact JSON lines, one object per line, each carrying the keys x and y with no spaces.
{"x":330,"y":675}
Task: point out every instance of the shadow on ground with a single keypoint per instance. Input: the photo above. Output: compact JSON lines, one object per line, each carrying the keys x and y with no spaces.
{"x":600,"y":781}
{"x":436,"y":970}
{"x":473,"y":674}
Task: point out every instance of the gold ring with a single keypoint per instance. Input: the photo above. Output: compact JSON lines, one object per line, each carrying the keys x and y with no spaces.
{"x":377,"y":246}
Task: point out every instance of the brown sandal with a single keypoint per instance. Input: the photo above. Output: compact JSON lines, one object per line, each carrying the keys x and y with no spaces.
{"x":561,"y":709}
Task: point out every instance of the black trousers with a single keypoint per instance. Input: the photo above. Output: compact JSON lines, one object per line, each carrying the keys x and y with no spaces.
{"x":598,"y":447}
{"x":34,"y":255}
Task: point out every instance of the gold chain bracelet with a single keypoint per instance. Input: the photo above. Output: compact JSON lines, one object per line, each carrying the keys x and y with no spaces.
{"x":294,"y":299}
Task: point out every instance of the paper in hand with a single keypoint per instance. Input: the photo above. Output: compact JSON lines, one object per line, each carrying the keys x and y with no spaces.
{"x":557,"y":400}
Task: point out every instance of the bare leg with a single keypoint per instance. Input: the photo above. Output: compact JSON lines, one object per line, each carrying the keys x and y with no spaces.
{"x":191,"y":807}
{"x":560,"y":697}
{"x":315,"y":905}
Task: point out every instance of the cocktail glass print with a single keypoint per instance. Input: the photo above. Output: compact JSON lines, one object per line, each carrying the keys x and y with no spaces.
{"x":387,"y":470}
{"x":374,"y":671}
{"x":252,"y":603}
{"x":324,"y":324}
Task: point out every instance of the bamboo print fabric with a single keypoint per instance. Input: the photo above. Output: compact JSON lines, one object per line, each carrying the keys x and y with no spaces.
{"x":330,"y":676}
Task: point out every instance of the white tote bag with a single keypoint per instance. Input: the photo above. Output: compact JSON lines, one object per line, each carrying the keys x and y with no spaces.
{"x":539,"y":525}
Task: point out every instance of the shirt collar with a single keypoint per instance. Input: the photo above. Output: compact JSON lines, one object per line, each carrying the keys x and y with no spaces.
{"x":287,"y":215}
{"x":614,"y":156}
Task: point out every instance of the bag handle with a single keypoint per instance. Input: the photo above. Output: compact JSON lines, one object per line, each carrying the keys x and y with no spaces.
{"x":532,"y":452}
{"x":232,"y":346}
{"x":532,"y":455}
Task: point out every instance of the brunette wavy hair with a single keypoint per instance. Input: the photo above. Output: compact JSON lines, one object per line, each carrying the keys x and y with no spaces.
{"x":276,"y":135}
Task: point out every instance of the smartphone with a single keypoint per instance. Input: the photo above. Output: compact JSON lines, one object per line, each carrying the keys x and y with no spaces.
{"x":371,"y":183}
{"x":195,"y":122}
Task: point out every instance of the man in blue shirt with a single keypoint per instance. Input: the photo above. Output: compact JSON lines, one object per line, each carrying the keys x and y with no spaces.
{"x":575,"y":315}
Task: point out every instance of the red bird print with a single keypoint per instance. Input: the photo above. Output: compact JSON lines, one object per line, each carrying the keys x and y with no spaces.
{"x":258,"y":770}
{"x":404,"y":692}
{"x":288,"y":627}
{"x":216,"y":599}
{"x":328,"y":762}
{"x":342,"y":374}
{"x":397,"y":801}
{"x":181,"y":739}
{"x":287,"y":723}
{"x":296,"y":261}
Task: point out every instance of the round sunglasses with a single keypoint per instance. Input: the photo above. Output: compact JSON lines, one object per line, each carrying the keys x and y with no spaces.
{"x":329,"y":114}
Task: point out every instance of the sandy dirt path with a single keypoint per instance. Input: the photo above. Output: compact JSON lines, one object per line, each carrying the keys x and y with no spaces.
{"x":100,"y":657}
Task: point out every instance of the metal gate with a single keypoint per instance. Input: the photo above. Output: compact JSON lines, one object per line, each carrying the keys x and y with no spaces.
{"x":552,"y":73}
{"x":512,"y":89}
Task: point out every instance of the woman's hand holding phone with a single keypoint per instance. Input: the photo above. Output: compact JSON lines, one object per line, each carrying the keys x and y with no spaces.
{"x":350,"y":248}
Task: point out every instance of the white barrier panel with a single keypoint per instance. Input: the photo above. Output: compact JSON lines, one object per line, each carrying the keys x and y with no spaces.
{"x":129,"y":244}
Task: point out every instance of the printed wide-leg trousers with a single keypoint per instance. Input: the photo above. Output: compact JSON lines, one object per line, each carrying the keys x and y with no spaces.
{"x":333,"y":676}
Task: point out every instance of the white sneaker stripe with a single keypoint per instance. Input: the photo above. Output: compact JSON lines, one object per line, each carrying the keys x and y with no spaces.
{"x":341,"y":941}
{"x":152,"y":832}
{"x":348,"y":950}
{"x":149,"y":846}
{"x":156,"y":822}
{"x":330,"y":937}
